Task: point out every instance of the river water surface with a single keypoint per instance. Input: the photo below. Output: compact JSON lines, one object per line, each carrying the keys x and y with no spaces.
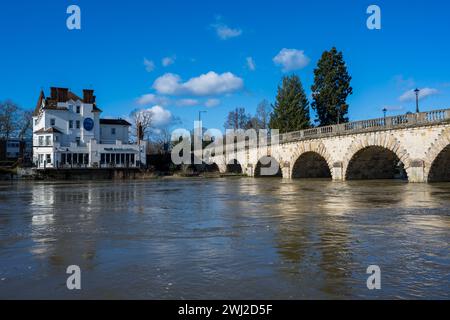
{"x":233,"y":238}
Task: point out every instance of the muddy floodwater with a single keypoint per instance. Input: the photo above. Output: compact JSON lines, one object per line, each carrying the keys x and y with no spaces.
{"x":230,"y":238}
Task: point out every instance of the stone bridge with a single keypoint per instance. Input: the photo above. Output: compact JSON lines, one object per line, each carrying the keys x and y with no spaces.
{"x":412,"y":146}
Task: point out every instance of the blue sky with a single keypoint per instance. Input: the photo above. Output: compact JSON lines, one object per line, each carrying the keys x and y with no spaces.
{"x":221,"y":55}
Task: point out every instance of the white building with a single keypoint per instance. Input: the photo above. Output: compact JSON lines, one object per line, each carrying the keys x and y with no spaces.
{"x":68,"y":133}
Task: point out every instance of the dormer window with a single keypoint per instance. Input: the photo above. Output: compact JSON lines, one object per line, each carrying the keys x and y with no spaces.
{"x":71,"y":107}
{"x":78,"y":109}
{"x":52,"y":122}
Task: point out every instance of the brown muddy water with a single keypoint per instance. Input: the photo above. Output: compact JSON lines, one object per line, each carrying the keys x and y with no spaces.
{"x":229,"y":238}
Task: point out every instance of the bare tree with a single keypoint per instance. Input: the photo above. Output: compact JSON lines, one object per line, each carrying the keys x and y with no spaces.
{"x":263,"y":114}
{"x":161,"y":140}
{"x":26,"y":124}
{"x":9,"y":119}
{"x":237,"y":119}
{"x":142,"y":123}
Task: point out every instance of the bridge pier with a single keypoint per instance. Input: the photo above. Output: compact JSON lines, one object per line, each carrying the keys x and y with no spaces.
{"x":338,"y":171}
{"x":416,"y":172}
{"x":286,"y":171}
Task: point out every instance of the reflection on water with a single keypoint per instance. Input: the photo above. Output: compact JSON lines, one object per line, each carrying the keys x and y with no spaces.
{"x":225,"y":238}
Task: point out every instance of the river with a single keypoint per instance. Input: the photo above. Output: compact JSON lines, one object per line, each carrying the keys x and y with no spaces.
{"x":227,"y":238}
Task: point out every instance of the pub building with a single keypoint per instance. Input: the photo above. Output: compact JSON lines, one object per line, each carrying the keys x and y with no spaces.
{"x":69,"y":133}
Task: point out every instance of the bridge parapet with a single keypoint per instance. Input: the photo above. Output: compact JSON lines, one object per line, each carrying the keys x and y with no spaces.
{"x":380,"y":124}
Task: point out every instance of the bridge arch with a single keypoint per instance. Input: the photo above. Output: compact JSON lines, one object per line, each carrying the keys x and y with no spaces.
{"x":268,"y":166}
{"x":213,"y":167}
{"x":437,"y":161}
{"x":379,"y":156}
{"x":311,"y":160}
{"x":234,"y":166}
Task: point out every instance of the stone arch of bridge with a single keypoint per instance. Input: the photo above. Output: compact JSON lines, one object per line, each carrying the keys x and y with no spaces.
{"x":268,"y":166}
{"x":376,"y":152}
{"x":437,"y":159}
{"x":234,"y":166}
{"x":314,"y":159}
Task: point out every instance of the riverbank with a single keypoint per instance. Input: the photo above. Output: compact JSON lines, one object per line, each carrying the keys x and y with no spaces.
{"x":85,"y":174}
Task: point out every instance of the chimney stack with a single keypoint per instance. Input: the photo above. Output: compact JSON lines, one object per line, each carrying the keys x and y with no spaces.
{"x":59,"y":94}
{"x":88,"y":96}
{"x":53,"y":93}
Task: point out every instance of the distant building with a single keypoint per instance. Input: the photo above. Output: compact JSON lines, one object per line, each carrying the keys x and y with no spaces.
{"x":14,"y":149}
{"x":69,"y":133}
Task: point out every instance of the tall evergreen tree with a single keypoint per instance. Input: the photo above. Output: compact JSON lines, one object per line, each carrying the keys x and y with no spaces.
{"x":331,"y":88}
{"x":291,"y":109}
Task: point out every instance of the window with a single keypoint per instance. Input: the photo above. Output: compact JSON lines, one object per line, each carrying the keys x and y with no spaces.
{"x":78,"y":141}
{"x":48,"y":140}
{"x":78,"y":124}
{"x":52,"y":122}
{"x":78,"y":109}
{"x":71,"y":107}
{"x":56,"y":138}
{"x":41,"y":140}
{"x":102,"y":158}
{"x":70,"y":124}
{"x":48,"y":158}
{"x":113,"y":131}
{"x":35,"y":122}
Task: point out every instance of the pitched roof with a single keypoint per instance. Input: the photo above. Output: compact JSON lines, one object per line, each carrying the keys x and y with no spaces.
{"x":115,"y":122}
{"x":39,"y":103}
{"x":50,"y":130}
{"x":63,"y":95}
{"x":72,"y":96}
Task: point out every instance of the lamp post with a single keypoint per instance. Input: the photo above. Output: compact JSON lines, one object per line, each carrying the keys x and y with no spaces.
{"x":384,"y":113}
{"x":200,"y":121}
{"x":417,"y":100}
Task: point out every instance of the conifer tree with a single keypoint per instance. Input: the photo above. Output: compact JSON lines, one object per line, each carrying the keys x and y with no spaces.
{"x":331,"y":88}
{"x":291,"y":109}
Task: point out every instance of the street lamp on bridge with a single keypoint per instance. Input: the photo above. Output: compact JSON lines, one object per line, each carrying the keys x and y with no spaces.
{"x":417,"y":100}
{"x":384,"y":113}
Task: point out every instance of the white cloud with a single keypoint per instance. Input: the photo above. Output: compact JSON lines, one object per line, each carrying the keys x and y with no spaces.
{"x":251,"y":64}
{"x":207,"y":84}
{"x":224,"y":32}
{"x":212,"y":103}
{"x":149,"y":65}
{"x":411,"y":95}
{"x":149,"y":99}
{"x":187,"y":102}
{"x":161,"y":116}
{"x":291,"y":59}
{"x":167,"y":61}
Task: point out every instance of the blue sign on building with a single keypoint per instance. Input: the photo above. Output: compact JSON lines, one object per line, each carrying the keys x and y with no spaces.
{"x":88,"y":124}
